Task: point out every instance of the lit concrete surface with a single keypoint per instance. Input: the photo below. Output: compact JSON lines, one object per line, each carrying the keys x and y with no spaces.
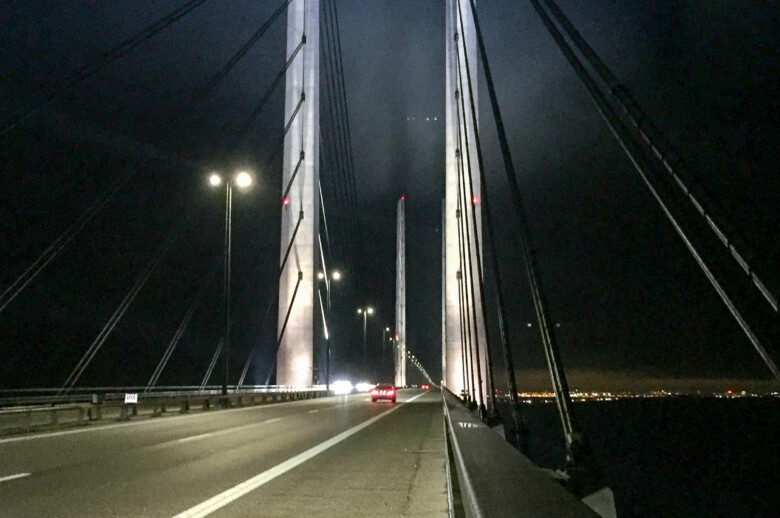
{"x":162,"y":467}
{"x":394,"y":468}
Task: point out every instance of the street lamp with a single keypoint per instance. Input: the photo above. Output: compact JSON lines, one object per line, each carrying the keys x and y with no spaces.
{"x":242,"y":180}
{"x":384,"y":336}
{"x":365,"y":312}
{"x":336,"y":276}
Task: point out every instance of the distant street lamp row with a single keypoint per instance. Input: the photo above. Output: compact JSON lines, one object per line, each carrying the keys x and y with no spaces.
{"x":243,"y":180}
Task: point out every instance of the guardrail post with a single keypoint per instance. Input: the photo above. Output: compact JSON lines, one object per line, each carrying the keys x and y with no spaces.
{"x":185,"y":405}
{"x":123,"y":413}
{"x":95,"y":412}
{"x":53,"y":415}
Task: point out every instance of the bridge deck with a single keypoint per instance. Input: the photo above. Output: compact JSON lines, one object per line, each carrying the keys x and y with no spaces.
{"x":340,"y":456}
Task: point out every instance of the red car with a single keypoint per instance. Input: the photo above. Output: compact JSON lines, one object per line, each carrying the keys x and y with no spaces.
{"x":383,"y":392}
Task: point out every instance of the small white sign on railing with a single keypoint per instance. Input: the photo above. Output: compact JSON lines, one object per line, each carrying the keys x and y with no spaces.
{"x":131,"y":398}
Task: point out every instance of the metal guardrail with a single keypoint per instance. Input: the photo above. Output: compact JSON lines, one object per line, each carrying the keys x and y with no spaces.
{"x":494,"y":479}
{"x":28,"y":409}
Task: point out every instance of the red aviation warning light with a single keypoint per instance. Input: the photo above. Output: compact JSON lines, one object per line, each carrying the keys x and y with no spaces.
{"x":403,"y":197}
{"x":286,"y":202}
{"x":474,"y":200}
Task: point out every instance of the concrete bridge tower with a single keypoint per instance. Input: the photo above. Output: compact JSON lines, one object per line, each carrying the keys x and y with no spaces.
{"x":461,"y":295}
{"x":399,"y":353}
{"x":295,"y":359}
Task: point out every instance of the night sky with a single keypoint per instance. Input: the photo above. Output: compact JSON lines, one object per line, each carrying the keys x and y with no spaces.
{"x":627,"y":295}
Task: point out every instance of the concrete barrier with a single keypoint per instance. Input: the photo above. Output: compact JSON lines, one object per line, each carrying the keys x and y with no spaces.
{"x":111,"y":406}
{"x":494,"y":479}
{"x":30,"y":417}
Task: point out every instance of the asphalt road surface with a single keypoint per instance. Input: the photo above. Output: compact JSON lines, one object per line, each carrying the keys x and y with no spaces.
{"x":337,"y":456}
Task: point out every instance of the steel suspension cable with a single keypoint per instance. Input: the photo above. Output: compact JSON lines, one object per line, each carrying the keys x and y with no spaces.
{"x":324,"y":218}
{"x":501,"y":314}
{"x":340,"y":228}
{"x":91,"y":69}
{"x":468,"y":295}
{"x":345,"y":108}
{"x":179,"y":332}
{"x":247,"y":125}
{"x":213,"y":363}
{"x":465,"y":316}
{"x":466,"y":168}
{"x":342,"y":121}
{"x":334,"y":154}
{"x":473,"y":212}
{"x":67,"y":236}
{"x":284,"y":325}
{"x":665,"y":154}
{"x":560,"y":384}
{"x":238,"y":56}
{"x":120,"y":311}
{"x":64,"y":239}
{"x":645,"y":171}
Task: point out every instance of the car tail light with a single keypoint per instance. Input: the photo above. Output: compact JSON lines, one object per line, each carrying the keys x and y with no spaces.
{"x":375,"y":392}
{"x":390,"y":392}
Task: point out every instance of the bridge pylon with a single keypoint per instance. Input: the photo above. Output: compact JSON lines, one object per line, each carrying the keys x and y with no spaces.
{"x":464,"y":343}
{"x":295,"y":358}
{"x":399,"y":352}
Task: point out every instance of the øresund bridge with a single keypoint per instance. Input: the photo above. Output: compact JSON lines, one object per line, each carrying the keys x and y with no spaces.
{"x":265,"y":426}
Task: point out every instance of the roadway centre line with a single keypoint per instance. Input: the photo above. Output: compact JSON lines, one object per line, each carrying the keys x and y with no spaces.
{"x":225,"y":431}
{"x":313,"y":411}
{"x":221,"y":500}
{"x":14,"y":477}
{"x":148,"y":421}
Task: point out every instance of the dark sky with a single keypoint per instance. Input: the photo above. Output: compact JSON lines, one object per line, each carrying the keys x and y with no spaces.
{"x":626,"y":293}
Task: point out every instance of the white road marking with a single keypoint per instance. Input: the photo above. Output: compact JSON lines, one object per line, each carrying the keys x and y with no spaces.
{"x":221,"y":500}
{"x":313,"y":411}
{"x":14,"y":477}
{"x":225,"y":431}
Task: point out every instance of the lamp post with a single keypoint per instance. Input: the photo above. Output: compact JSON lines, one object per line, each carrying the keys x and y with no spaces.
{"x":242,"y":180}
{"x":365,"y":312}
{"x":385,"y":330}
{"x":384,"y":336}
{"x":336,"y":276}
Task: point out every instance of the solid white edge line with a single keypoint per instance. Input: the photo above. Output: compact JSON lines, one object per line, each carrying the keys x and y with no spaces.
{"x":14,"y":477}
{"x":222,"y":499}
